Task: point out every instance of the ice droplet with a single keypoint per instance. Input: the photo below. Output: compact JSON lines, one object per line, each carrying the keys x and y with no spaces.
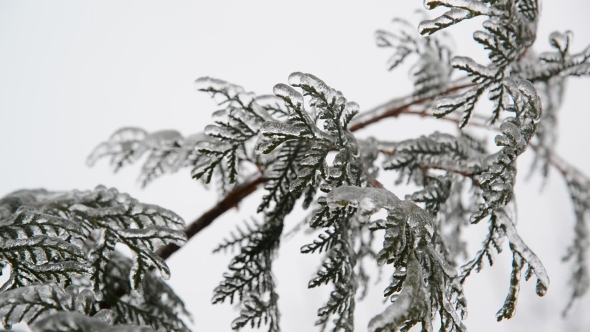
{"x":295,"y":78}
{"x":511,"y":130}
{"x":541,"y":288}
{"x":288,"y":94}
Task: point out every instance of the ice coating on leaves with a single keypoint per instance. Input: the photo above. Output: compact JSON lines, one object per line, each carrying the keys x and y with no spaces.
{"x":123,"y":145}
{"x":300,"y":147}
{"x":438,"y":151}
{"x":560,"y":41}
{"x":512,"y":131}
{"x":158,"y":307}
{"x":396,"y":250}
{"x":460,"y":10}
{"x":111,"y":216}
{"x":510,"y":25}
{"x":428,"y":27}
{"x":272,"y":105}
{"x":105,"y":315}
{"x":475,"y":6}
{"x":295,"y":78}
{"x":167,"y":150}
{"x":367,"y":200}
{"x":76,"y":322}
{"x":273,"y":134}
{"x":409,"y":305}
{"x":352,"y":109}
{"x":506,"y":23}
{"x":310,"y":81}
{"x":161,"y":138}
{"x":40,"y":250}
{"x":234,"y":128}
{"x":40,"y":247}
{"x":518,"y":245}
{"x":219,"y":132}
{"x":288,"y":94}
{"x":214,"y":84}
{"x":26,"y":223}
{"x":479,"y":72}
{"x":32,"y":303}
{"x":431,"y":71}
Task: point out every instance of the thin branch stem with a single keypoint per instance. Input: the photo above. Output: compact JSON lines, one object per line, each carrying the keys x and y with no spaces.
{"x":231,"y":200}
{"x":395,"y":107}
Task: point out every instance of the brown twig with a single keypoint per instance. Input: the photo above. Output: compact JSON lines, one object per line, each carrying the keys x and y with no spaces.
{"x":231,"y":200}
{"x":395,"y":107}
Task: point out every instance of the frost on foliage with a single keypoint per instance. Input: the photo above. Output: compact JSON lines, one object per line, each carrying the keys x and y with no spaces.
{"x":31,"y":303}
{"x":38,"y":247}
{"x":501,"y":227}
{"x":69,"y":238}
{"x":498,"y":180}
{"x":167,"y":151}
{"x":452,"y":214}
{"x":548,"y":72}
{"x":322,"y":123}
{"x":442,"y":165}
{"x":494,"y":174}
{"x":459,"y":10}
{"x":432,"y":70}
{"x":75,"y":322}
{"x":579,"y":189}
{"x":158,"y":306}
{"x":314,"y":122}
{"x":48,"y":308}
{"x":221,"y":151}
{"x":250,"y":279}
{"x":508,"y":33}
{"x":234,"y":126}
{"x":559,"y":62}
{"x":412,"y":304}
{"x":110,"y":217}
{"x":424,"y":280}
{"x":435,"y":151}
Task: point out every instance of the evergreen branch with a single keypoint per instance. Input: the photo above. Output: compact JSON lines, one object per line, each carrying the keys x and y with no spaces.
{"x":159,"y":308}
{"x":76,"y":322}
{"x":31,"y":303}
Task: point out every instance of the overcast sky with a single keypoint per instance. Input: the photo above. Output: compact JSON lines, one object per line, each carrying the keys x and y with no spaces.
{"x":72,"y":72}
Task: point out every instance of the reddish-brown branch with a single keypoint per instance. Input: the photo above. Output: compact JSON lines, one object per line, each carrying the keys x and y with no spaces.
{"x":231,"y":200}
{"x":395,"y":107}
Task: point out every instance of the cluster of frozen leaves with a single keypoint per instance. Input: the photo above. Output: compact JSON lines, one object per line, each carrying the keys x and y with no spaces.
{"x":509,"y":30}
{"x":432,"y":70}
{"x":65,"y":274}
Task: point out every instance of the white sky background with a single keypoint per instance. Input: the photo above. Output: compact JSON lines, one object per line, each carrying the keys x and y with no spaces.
{"x":73,"y":72}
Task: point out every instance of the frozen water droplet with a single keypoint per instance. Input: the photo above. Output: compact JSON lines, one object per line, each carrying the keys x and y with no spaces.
{"x":511,"y":130}
{"x":541,"y":288}
{"x":289,"y":94}
{"x":295,"y":78}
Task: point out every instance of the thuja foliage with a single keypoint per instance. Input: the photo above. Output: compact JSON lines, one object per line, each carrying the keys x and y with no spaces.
{"x":65,"y":274}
